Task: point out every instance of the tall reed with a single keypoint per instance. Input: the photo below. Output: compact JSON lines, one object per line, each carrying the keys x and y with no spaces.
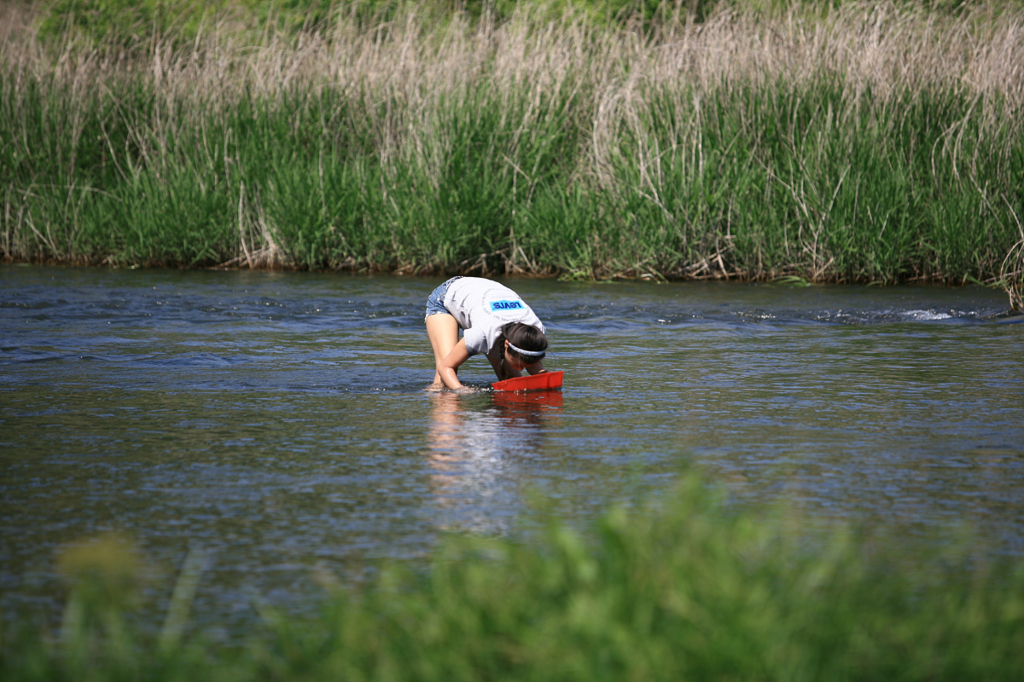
{"x":870,"y":143}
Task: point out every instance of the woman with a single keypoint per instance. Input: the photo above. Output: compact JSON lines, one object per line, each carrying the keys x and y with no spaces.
{"x":497,"y":323}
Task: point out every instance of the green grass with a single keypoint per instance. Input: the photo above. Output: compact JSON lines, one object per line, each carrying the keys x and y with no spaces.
{"x":690,"y":587}
{"x":743,"y":147}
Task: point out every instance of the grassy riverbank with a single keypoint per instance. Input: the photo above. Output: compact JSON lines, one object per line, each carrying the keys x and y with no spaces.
{"x":689,"y":588}
{"x":873,"y":143}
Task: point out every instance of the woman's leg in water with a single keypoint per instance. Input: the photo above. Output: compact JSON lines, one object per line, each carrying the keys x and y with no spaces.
{"x":443,"y":332}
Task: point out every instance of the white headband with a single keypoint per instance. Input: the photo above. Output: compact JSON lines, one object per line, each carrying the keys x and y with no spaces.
{"x":531,"y":353}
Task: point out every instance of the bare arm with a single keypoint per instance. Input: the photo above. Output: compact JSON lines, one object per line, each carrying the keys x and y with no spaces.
{"x":447,"y":367}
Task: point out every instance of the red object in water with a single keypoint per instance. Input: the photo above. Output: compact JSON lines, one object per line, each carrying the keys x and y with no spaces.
{"x":527,"y":402}
{"x":545,"y":381}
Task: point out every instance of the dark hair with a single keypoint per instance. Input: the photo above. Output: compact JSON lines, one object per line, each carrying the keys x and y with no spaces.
{"x":526,"y":337}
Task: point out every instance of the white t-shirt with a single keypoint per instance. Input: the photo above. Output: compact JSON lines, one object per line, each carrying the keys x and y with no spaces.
{"x":482,"y":307}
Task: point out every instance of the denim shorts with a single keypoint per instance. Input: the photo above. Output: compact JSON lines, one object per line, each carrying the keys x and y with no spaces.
{"x":435,"y":302}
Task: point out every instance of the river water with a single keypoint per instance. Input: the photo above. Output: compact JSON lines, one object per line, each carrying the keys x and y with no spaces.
{"x":277,"y":422}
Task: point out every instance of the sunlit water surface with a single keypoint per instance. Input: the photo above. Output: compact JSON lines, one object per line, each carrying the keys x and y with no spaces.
{"x":277,"y":422}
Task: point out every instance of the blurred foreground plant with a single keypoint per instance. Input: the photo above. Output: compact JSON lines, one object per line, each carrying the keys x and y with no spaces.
{"x":690,"y":587}
{"x":105,"y":576}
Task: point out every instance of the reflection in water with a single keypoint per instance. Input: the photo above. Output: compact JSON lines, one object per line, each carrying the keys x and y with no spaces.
{"x":475,"y":453}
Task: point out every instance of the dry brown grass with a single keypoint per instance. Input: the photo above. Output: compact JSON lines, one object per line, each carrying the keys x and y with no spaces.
{"x":880,"y":47}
